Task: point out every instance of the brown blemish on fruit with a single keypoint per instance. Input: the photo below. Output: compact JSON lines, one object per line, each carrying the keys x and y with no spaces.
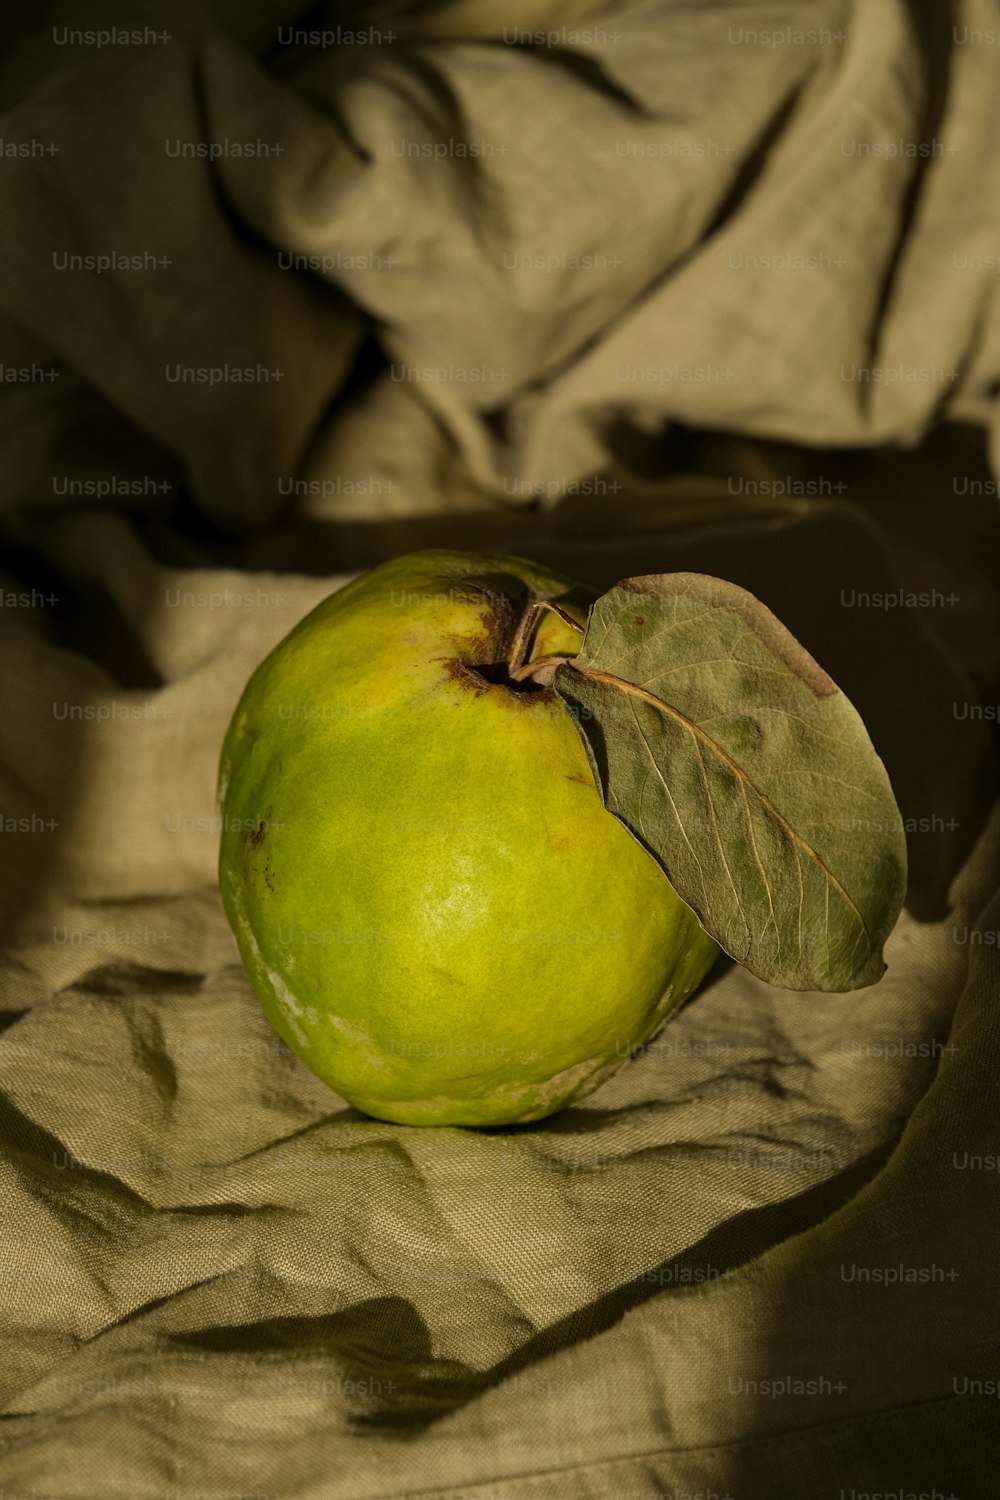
{"x":461,"y":672}
{"x":497,"y":621}
{"x":482,"y":662}
{"x":256,"y":835}
{"x":575,"y":776}
{"x":486,"y":677}
{"x":498,"y":618}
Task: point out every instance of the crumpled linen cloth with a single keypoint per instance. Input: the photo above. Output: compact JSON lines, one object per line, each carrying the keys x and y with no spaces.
{"x":760,"y":1261}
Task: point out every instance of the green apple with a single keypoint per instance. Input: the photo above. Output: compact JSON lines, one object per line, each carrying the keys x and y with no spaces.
{"x":434,"y":907}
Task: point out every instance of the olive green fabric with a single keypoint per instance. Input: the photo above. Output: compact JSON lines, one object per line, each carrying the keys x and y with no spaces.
{"x":761,"y":1260}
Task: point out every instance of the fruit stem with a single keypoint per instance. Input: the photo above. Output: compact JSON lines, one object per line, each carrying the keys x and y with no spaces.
{"x":517,"y":663}
{"x":539,"y":668}
{"x":563,"y":614}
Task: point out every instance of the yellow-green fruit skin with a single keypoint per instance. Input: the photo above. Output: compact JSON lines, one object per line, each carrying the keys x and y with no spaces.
{"x":433,"y":906}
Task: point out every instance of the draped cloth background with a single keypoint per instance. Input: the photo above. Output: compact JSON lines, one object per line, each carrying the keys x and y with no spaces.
{"x":709,"y":293}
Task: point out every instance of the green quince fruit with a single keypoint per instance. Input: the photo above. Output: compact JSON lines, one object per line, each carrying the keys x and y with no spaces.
{"x":434,"y":907}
